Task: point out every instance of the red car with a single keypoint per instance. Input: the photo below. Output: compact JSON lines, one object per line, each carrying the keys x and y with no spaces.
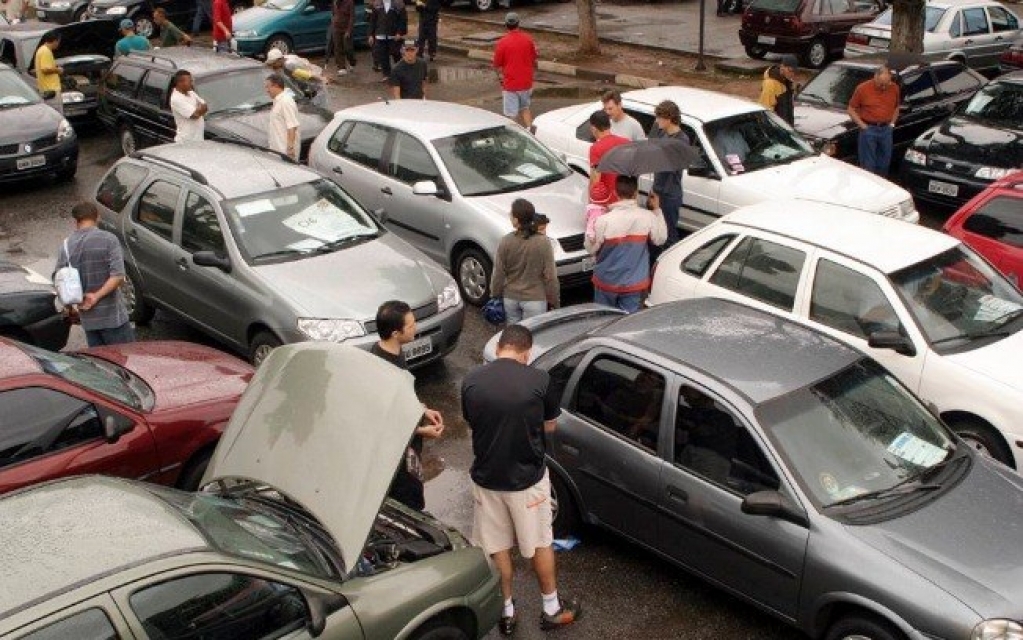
{"x":992,"y":224}
{"x":148,"y":410}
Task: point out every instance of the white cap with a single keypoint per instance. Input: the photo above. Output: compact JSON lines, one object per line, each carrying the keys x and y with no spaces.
{"x":273,"y":55}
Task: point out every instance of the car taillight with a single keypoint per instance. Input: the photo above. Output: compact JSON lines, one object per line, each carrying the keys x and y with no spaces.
{"x":1013,"y":56}
{"x":856,"y":38}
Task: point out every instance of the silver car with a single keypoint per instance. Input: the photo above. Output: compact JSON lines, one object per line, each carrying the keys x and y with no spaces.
{"x":258,"y":251}
{"x":443,"y":176}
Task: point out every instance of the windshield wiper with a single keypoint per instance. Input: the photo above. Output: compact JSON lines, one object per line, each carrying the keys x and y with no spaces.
{"x":813,"y":97}
{"x":334,"y":245}
{"x":281,"y":253}
{"x":994,"y":332}
{"x":905,"y":487}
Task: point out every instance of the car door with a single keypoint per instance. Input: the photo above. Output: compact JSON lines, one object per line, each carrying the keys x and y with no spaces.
{"x":702,"y":185}
{"x":149,"y":238}
{"x":1004,"y":28}
{"x":715,"y":459}
{"x":355,"y":161}
{"x":920,"y":109}
{"x":94,"y":619}
{"x":408,"y":162}
{"x":679,"y":279}
{"x":976,"y":40}
{"x":119,"y":104}
{"x":995,"y":230}
{"x":309,"y":23}
{"x":155,"y":124}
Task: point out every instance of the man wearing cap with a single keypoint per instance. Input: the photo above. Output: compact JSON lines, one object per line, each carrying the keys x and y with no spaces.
{"x":874,"y":107}
{"x":130,"y":41}
{"x":515,"y":59}
{"x":307,"y":75}
{"x":777,"y":91}
{"x":408,"y":77}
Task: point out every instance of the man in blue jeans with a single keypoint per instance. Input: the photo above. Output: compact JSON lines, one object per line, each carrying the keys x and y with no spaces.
{"x":874,"y":107}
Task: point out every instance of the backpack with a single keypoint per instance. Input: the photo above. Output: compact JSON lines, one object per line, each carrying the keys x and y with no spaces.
{"x":68,"y":282}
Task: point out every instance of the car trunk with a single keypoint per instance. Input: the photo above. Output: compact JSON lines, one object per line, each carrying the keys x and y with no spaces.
{"x":773,"y":17}
{"x":83,"y":73}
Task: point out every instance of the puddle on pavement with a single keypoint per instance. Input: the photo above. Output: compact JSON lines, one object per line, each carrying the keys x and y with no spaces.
{"x":566,"y":91}
{"x":455,"y":75}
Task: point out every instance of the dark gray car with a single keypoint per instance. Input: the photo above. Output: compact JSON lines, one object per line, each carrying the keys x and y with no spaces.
{"x":782,"y":466}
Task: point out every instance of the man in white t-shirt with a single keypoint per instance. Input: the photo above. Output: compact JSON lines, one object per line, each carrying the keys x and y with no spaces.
{"x":284,"y":135}
{"x":622,"y":124}
{"x":188,"y":109}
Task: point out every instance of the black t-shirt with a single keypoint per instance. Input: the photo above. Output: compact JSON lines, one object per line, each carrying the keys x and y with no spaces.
{"x":409,"y":78}
{"x":406,"y":488}
{"x":506,"y":403}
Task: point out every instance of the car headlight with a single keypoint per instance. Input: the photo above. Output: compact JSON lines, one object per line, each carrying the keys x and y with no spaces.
{"x":64,"y":130}
{"x":251,"y":33}
{"x":992,"y":173}
{"x":117,"y":11}
{"x":916,"y":157}
{"x":998,"y":630}
{"x":449,"y":297}
{"x":71,"y":97}
{"x":331,"y":329}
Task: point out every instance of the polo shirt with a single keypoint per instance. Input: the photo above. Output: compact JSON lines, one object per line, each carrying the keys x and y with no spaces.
{"x":131,"y":43}
{"x":515,"y":55}
{"x":873,"y":105}
{"x":46,"y":81}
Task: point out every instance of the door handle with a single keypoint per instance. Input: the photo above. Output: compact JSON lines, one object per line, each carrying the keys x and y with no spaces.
{"x":338,"y":170}
{"x":999,"y":39}
{"x":386,"y":190}
{"x":133,"y":235}
{"x":182,"y":263}
{"x":678,"y":495}
{"x":970,"y":41}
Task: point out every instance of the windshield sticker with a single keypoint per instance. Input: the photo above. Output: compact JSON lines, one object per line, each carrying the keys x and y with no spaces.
{"x":735,"y":163}
{"x":513,"y":178}
{"x":916,"y":451}
{"x":992,"y":308}
{"x":323,"y":221}
{"x":246,"y":209}
{"x":531,"y":171}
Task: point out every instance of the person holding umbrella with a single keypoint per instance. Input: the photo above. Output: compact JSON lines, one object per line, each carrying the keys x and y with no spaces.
{"x":668,"y":183}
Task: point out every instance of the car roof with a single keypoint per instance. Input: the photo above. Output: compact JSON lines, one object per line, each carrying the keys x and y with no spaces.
{"x":758,"y":354}
{"x":431,"y":119}
{"x":197,"y":60}
{"x":15,"y":362}
{"x":895,"y":61}
{"x":885,"y":243}
{"x":28,"y":28}
{"x":1015,"y":77}
{"x":697,"y":103}
{"x":62,"y":534}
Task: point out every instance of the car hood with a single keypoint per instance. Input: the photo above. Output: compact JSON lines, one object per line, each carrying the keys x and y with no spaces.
{"x":180,"y":373}
{"x":996,"y":361}
{"x":821,"y":122}
{"x":562,"y":202}
{"x":254,"y":126}
{"x":968,"y":140}
{"x":28,"y":122}
{"x":254,"y":18}
{"x":381,"y":269}
{"x":326,"y":425}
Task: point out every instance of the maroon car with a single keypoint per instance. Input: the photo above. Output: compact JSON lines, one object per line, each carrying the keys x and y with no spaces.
{"x":148,"y":410}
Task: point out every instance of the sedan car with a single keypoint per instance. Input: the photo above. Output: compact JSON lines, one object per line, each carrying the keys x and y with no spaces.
{"x":269,"y":549}
{"x":443,"y":176}
{"x":992,"y":224}
{"x":748,"y":155}
{"x":978,"y":144}
{"x":918,"y":301}
{"x":293,"y":26}
{"x":27,"y":308}
{"x":35,"y":140}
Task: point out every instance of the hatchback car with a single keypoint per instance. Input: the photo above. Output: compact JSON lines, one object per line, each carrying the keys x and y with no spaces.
{"x":291,"y":26}
{"x":748,"y":155}
{"x":35,"y":140}
{"x":180,"y":12}
{"x":266,"y":550}
{"x":978,"y":144}
{"x":257,"y":252}
{"x":918,"y":301}
{"x":782,"y":466}
{"x":992,"y":224}
{"x":815,"y":30}
{"x":443,"y":176}
{"x":28,"y":310}
{"x":974,"y":32}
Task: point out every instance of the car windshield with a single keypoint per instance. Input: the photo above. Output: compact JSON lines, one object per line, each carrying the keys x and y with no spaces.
{"x":957,"y":299}
{"x":313,"y":217}
{"x":95,"y":374}
{"x":239,"y":90}
{"x":775,"y":6}
{"x":932,"y":16}
{"x":756,"y":140}
{"x":498,"y":160}
{"x":282,"y":5}
{"x":14,"y":92}
{"x":855,"y":433}
{"x":835,"y":84}
{"x":999,"y":102}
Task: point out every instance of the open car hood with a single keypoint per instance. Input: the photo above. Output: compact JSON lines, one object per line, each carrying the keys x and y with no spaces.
{"x":326,"y":425}
{"x":89,"y":38}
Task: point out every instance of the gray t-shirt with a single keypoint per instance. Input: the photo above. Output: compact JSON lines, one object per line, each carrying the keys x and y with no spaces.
{"x":628,"y":128}
{"x":97,"y":255}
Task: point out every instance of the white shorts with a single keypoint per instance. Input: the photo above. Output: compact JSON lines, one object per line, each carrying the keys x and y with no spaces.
{"x":502,"y":518}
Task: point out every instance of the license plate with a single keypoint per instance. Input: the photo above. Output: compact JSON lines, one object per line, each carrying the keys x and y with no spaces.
{"x":417,"y":348}
{"x":881,"y":43}
{"x":588,"y":264}
{"x":944,"y":188}
{"x":31,"y":162}
{"x":766,"y":39}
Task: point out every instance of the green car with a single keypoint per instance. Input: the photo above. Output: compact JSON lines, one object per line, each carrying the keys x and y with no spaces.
{"x":288,"y":539}
{"x":293,"y":26}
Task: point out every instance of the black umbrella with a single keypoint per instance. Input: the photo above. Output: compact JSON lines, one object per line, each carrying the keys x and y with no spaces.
{"x":648,"y":156}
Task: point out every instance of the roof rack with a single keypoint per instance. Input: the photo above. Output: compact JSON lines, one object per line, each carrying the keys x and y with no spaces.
{"x":152,"y":57}
{"x":170,"y":164}
{"x":253,"y":145}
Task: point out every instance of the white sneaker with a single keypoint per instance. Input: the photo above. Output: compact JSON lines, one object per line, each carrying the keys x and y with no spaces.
{"x":342,"y":72}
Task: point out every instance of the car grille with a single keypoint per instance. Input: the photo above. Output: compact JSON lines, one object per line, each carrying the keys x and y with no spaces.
{"x":37,"y":145}
{"x":421,"y":312}
{"x":571,"y":243}
{"x":951,"y":166}
{"x":578,"y":279}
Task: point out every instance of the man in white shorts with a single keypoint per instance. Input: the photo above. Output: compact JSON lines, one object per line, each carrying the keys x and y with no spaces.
{"x":508,"y":408}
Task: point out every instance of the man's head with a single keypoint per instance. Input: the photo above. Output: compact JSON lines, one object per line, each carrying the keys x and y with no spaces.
{"x":51,"y":40}
{"x":511,"y":21}
{"x":626,"y":187}
{"x":396,"y":322}
{"x":159,"y":16}
{"x":667,"y":112}
{"x":883,"y":77}
{"x":408,"y":51}
{"x":612,"y":100}
{"x":275,"y":59}
{"x":600,"y":124}
{"x":515,"y":343}
{"x":274,"y":84}
{"x":182,"y":81}
{"x":85,"y":214}
{"x":788,"y":66}
{"x":127,"y":27}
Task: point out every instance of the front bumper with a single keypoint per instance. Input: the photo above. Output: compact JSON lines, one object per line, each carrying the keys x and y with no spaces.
{"x":58,"y":158}
{"x":59,"y":16}
{"x":249,"y":47}
{"x":921,"y":182}
{"x":781,"y":44}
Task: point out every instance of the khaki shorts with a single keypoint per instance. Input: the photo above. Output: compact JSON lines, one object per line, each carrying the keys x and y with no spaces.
{"x":502,"y":518}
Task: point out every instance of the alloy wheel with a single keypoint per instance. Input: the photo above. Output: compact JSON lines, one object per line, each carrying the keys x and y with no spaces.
{"x":144,"y":26}
{"x":473,"y":277}
{"x":260,"y":354}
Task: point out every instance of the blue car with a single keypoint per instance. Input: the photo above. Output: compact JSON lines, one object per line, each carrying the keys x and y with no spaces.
{"x":293,"y":26}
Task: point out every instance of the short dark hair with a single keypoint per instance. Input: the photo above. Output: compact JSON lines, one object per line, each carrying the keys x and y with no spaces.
{"x":515,"y":337}
{"x":611,"y":95}
{"x":391,"y":318}
{"x":600,"y":121}
{"x":51,"y":37}
{"x":626,"y":187}
{"x":85,"y":211}
{"x":179,"y":74}
{"x":277,"y":79}
{"x":668,"y":109}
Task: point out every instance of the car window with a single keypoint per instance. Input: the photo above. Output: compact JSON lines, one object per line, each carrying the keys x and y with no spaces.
{"x":124,"y":79}
{"x":219,"y":606}
{"x":763,"y":270}
{"x":242,"y":90}
{"x":200,"y":230}
{"x":119,"y":185}
{"x":775,"y":6}
{"x":561,"y":373}
{"x":1000,"y":218}
{"x":91,"y":624}
{"x":755,"y":140}
{"x":411,"y":162}
{"x":955,"y":79}
{"x":365,"y":145}
{"x":335,"y":141}
{"x":40,"y":421}
{"x":835,"y":84}
{"x":849,"y":301}
{"x":154,"y":89}
{"x":623,"y":398}
{"x":697,"y":262}
{"x":974,"y":22}
{"x":956,"y":28}
{"x":156,"y":208}
{"x":584,"y":133}
{"x":918,"y":87}
{"x":1002,"y":20}
{"x":712,"y":443}
{"x":998,"y":102}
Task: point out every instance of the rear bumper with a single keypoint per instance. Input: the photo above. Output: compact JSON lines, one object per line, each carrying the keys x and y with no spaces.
{"x":57,"y":158}
{"x":853,"y":50}
{"x":781,"y":44}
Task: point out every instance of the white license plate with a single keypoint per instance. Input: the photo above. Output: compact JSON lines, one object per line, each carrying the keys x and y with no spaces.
{"x":588,"y":264}
{"x":417,"y":348}
{"x":31,"y":162}
{"x":766,"y":39}
{"x":944,"y":188}
{"x":881,"y":43}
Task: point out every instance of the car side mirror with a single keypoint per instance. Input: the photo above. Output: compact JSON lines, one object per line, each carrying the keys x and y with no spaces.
{"x":425,"y":188}
{"x":311,"y":8}
{"x":115,"y":426}
{"x":211,"y":259}
{"x":701,"y":169}
{"x":320,"y":606}
{"x":773,"y":504}
{"x":891,"y":340}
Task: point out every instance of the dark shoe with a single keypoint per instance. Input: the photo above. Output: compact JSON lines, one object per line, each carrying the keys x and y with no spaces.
{"x":507,"y":624}
{"x":569,"y":612}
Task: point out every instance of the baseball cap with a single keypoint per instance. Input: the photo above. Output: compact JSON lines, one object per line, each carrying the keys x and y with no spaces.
{"x":273,"y":55}
{"x":790,"y":60}
{"x":409,"y":44}
{"x":127,"y":23}
{"x":512,"y":19}
{"x":600,"y":194}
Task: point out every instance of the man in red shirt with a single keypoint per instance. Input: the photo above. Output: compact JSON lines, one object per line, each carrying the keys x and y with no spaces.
{"x":874,"y":107}
{"x":600,"y":127}
{"x":222,"y":26}
{"x":515,"y":59}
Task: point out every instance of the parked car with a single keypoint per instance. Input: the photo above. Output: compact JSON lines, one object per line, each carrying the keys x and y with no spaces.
{"x":35,"y":140}
{"x":180,"y":12}
{"x":979,"y":143}
{"x":257,"y":252}
{"x":748,"y":155}
{"x":135,"y":94}
{"x":291,"y":26}
{"x":263,"y":551}
{"x":443,"y":176}
{"x":974,"y":32}
{"x":992,"y":225}
{"x":918,"y":301}
{"x":815,"y":30}
{"x":62,"y":11}
{"x":146,"y":410}
{"x":84,"y":54}
{"x":930,"y":92}
{"x":28,"y":310}
{"x":782,"y":466}
{"x":1012,"y":58}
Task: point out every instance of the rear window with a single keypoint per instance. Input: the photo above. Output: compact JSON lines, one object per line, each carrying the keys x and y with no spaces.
{"x":931,"y":18}
{"x":776,"y":6}
{"x":117,"y":188}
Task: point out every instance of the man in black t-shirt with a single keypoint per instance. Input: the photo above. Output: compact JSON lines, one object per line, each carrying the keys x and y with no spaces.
{"x":396,"y":326}
{"x":508,"y":408}
{"x":408,"y":77}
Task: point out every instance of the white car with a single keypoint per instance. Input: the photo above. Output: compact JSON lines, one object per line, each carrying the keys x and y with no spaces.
{"x":749,"y":155}
{"x":938,"y":316}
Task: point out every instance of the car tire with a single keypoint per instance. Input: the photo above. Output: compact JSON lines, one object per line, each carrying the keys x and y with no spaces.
{"x":856,"y":627}
{"x":755,"y":52}
{"x":144,"y":25}
{"x":139,"y":311}
{"x":129,"y":139}
{"x":566,"y":520}
{"x":484,"y":5}
{"x":983,"y":439}
{"x":262,"y":344}
{"x":816,"y":55}
{"x":192,"y":475}
{"x":472,"y":272}
{"x":79,"y":14}
{"x":279,"y":41}
{"x":441,"y":630}
{"x":68,"y":174}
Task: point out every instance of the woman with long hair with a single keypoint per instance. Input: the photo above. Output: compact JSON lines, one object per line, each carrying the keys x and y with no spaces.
{"x":525,"y":276}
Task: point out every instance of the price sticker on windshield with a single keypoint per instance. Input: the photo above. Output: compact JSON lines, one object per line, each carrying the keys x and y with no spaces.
{"x":916,"y":450}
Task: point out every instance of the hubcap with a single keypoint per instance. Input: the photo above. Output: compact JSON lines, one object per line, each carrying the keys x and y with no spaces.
{"x":128,"y":142}
{"x":484,"y":5}
{"x":144,"y":27}
{"x":282,"y":45}
{"x":817,"y":54}
{"x":473,"y":278}
{"x":976,"y":444}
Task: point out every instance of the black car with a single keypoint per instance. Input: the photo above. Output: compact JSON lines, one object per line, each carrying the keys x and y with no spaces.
{"x":135,"y":93}
{"x":180,"y":12}
{"x":980,"y":143}
{"x":35,"y":140}
{"x":85,"y":53}
{"x":930,"y":92}
{"x":27,"y":309}
{"x":61,"y":11}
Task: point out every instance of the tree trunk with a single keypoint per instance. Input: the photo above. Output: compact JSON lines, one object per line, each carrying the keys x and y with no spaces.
{"x":907,"y":26}
{"x":588,"y":42}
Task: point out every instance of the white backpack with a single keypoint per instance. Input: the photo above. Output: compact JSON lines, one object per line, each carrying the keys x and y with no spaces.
{"x":68,"y":282}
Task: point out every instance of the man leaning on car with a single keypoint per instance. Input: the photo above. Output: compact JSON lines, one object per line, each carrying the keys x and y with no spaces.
{"x":874,"y":107}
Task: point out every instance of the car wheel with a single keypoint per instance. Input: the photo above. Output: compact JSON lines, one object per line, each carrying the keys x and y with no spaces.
{"x":261,"y":346}
{"x":129,"y":141}
{"x":755,"y":52}
{"x":139,"y":311}
{"x":79,"y":15}
{"x":862,"y":628}
{"x":144,"y":26}
{"x":982,"y":439}
{"x":441,"y":631}
{"x":816,"y":55}
{"x":279,"y":41}
{"x":484,"y":5}
{"x":564,"y":511}
{"x":472,"y":271}
{"x":192,"y":475}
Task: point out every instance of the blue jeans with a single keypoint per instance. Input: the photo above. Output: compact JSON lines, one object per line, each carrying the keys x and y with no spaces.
{"x":627,"y":302}
{"x":117,"y":335}
{"x":670,"y":206}
{"x":203,"y":11}
{"x":875,"y":148}
{"x":517,"y":310}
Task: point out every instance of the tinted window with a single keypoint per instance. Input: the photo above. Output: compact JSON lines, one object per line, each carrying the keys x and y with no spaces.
{"x":850,"y":301}
{"x":334,"y":144}
{"x":623,"y":398}
{"x":1000,"y":218}
{"x":954,"y":79}
{"x":365,"y":145}
{"x":918,"y":88}
{"x":8,"y":53}
{"x":124,"y":79}
{"x":763,"y":270}
{"x":974,"y":22}
{"x":698,"y":261}
{"x":411,"y":162}
{"x":39,"y":421}
{"x":1002,"y":20}
{"x":956,"y":29}
{"x":219,"y":606}
{"x":561,"y":373}
{"x":91,"y":624}
{"x":835,"y":84}
{"x":775,"y":6}
{"x":156,"y":208}
{"x":154,"y":89}
{"x":200,"y":230}
{"x":119,"y":185}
